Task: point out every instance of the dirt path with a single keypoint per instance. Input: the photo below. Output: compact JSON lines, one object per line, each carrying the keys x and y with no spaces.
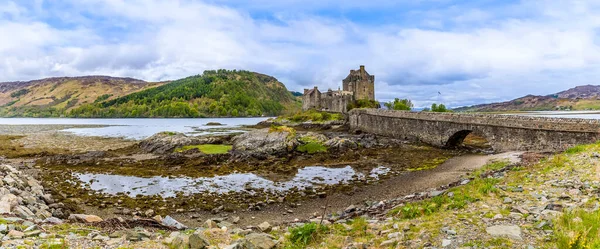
{"x":411,"y":182}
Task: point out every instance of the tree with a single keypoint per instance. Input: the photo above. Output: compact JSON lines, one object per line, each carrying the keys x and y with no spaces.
{"x":399,"y":104}
{"x":439,"y":108}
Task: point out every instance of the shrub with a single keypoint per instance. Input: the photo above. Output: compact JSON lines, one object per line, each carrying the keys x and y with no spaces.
{"x":363,"y":103}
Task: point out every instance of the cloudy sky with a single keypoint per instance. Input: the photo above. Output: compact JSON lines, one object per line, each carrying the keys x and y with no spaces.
{"x":471,"y":51}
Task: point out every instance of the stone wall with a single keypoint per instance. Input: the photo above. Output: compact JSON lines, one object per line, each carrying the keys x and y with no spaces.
{"x":503,"y":132}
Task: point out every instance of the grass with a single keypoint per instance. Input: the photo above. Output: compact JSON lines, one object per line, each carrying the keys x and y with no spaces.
{"x":312,"y":148}
{"x":303,"y":235}
{"x":207,"y":148}
{"x":290,"y":130}
{"x":578,"y":229}
{"x":575,"y":149}
{"x":462,"y":196}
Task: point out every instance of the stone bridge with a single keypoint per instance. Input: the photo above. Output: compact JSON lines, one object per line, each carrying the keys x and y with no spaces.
{"x":503,"y":132}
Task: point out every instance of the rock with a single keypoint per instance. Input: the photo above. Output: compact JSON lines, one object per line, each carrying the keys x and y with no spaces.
{"x":387,"y":243}
{"x":446,"y":242}
{"x":164,"y":142}
{"x":149,"y":213}
{"x":509,"y":231}
{"x":181,"y":241}
{"x":507,"y":200}
{"x":170,"y":222}
{"x":7,"y":202}
{"x":14,"y":234}
{"x":198,"y":241}
{"x":213,"y":124}
{"x":23,"y":212}
{"x":260,"y":241}
{"x":266,"y":142}
{"x":85,"y":218}
{"x":350,"y":209}
{"x":264,"y":227}
{"x":436,"y":193}
{"x":235,"y":219}
{"x":340,"y":144}
{"x":210,"y":224}
{"x":395,"y":235}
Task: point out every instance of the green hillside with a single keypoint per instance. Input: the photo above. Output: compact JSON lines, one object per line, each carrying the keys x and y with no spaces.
{"x":221,"y":93}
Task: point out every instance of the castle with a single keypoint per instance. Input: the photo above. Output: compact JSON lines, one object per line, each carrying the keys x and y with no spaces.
{"x":357,"y":85}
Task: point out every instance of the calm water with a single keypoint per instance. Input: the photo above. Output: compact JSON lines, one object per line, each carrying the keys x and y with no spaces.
{"x":139,"y":128}
{"x":169,"y":186}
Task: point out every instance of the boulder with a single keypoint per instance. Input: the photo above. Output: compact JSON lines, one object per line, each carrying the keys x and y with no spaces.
{"x":512,"y":232}
{"x":198,"y":241}
{"x":170,"y":222}
{"x":165,"y":142}
{"x":260,"y":241}
{"x":266,"y":141}
{"x":85,"y":218}
{"x":341,"y":144}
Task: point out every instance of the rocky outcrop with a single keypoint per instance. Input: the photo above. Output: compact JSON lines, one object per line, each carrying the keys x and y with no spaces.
{"x":23,"y":196}
{"x":166,"y":142}
{"x":266,"y":142}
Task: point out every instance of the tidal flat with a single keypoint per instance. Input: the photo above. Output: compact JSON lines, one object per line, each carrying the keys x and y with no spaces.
{"x":114,"y":176}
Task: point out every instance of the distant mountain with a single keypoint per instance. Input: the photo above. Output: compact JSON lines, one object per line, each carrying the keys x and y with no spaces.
{"x":578,"y":98}
{"x":53,"y":97}
{"x":221,"y":93}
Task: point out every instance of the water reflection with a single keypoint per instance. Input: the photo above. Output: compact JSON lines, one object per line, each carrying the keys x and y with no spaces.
{"x":238,"y":182}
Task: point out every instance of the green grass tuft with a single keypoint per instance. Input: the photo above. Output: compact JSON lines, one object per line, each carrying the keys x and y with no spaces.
{"x":575,"y":149}
{"x":304,"y":235}
{"x":312,"y":148}
{"x":207,"y":148}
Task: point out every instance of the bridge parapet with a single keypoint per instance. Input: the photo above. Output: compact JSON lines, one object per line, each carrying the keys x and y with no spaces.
{"x":503,"y":132}
{"x":503,"y":120}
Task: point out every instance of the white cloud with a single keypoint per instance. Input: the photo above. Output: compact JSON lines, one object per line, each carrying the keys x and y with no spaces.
{"x":479,"y":56}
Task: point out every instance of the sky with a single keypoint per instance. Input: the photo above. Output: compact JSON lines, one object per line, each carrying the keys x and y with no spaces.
{"x":471,"y":52}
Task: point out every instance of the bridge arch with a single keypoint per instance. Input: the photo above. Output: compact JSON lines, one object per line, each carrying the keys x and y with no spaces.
{"x":470,"y":138}
{"x":457,"y":138}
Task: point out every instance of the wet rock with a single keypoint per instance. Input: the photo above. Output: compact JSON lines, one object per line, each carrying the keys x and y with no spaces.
{"x":341,"y":144}
{"x":509,"y":231}
{"x":170,"y":222}
{"x":265,"y":142}
{"x":164,"y":142}
{"x":213,"y":124}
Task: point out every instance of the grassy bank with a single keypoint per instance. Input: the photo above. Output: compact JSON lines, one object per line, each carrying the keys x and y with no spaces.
{"x":552,"y":203}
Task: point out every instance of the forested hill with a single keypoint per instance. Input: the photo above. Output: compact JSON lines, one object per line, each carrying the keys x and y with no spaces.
{"x":221,"y":93}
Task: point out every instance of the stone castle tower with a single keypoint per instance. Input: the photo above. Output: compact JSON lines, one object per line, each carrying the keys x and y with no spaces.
{"x":357,"y":85}
{"x":361,"y":83}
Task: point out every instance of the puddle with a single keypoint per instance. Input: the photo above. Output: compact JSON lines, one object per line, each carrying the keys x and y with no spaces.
{"x":239,"y":182}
